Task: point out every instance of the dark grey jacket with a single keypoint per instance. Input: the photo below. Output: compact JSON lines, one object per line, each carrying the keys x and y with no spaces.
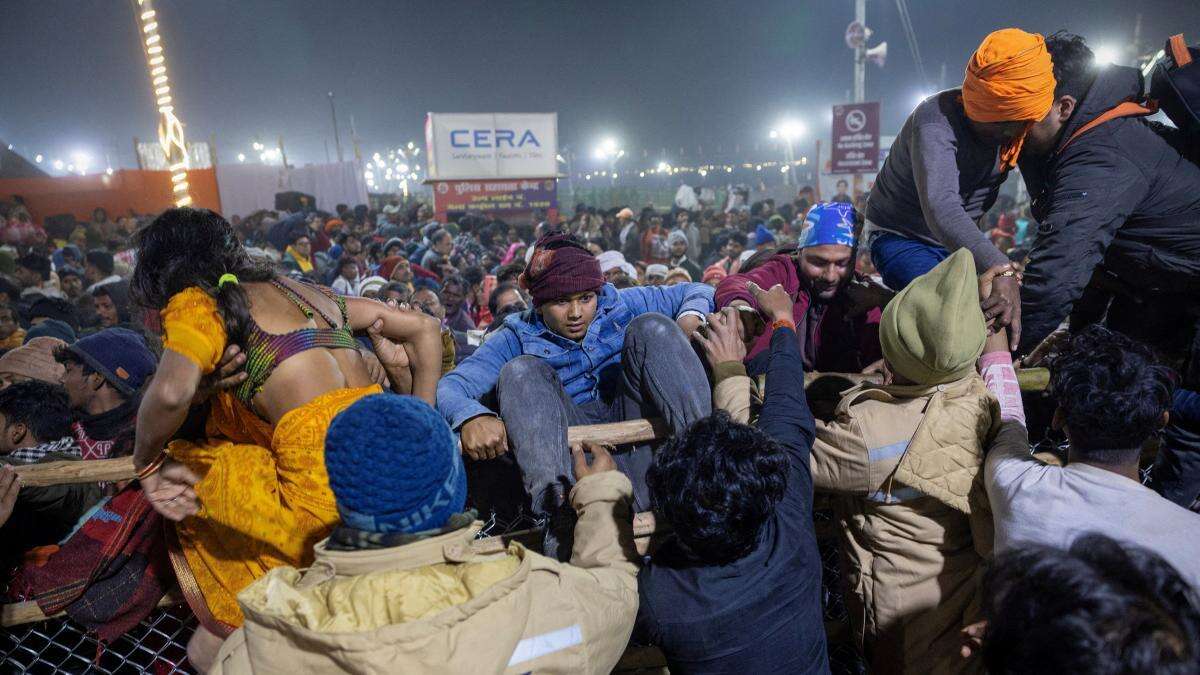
{"x":1122,"y":195}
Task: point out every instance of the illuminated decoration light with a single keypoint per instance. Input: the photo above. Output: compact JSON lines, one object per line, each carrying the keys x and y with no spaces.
{"x":38,"y":159}
{"x":241,"y":157}
{"x":170,"y":129}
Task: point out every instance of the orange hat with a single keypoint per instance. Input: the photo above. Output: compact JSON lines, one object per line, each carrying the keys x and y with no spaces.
{"x":332,"y":224}
{"x":1010,"y":78}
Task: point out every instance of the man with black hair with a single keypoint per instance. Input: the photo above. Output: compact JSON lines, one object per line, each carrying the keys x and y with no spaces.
{"x":71,"y":281}
{"x":99,"y":269}
{"x":731,"y":252}
{"x":441,"y":244}
{"x":1118,"y":236}
{"x":35,"y":426}
{"x":1112,"y":396}
{"x":11,"y":333}
{"x":738,"y":586}
{"x":505,"y":299}
{"x":58,"y":309}
{"x":454,"y":295}
{"x":1117,"y":205}
{"x":33,"y":273}
{"x":1100,"y":606}
{"x":111,"y":303}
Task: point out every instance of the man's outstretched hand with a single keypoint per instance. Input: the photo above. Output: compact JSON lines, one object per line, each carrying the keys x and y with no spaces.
{"x":1001,"y":301}
{"x":722,"y":341}
{"x":601,"y":460}
{"x":228,"y":374}
{"x":775,"y":304}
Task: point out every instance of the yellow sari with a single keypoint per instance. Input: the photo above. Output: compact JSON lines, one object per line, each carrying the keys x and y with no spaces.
{"x":264,"y":493}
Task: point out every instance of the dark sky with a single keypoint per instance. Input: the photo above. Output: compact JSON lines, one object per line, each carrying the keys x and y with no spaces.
{"x":651,"y":73}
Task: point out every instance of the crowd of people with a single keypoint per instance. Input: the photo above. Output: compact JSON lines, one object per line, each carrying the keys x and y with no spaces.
{"x":320,"y":406}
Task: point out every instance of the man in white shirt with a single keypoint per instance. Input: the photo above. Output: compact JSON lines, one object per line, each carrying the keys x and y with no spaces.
{"x":1111,"y":396}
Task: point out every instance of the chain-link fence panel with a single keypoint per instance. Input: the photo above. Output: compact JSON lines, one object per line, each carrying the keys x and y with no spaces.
{"x":157,"y":645}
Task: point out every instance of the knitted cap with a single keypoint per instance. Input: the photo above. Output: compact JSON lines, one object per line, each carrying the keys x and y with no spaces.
{"x":610,"y":259}
{"x":394,"y":466}
{"x":35,"y":360}
{"x":51,"y":328}
{"x":372,"y":284}
{"x":657,"y":271}
{"x":559,"y":266}
{"x":120,"y":355}
{"x":676,"y":235}
{"x":933,"y":331}
{"x":763,"y":236}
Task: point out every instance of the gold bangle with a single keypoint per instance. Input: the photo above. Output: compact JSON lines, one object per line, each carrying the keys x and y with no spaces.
{"x":152,"y":467}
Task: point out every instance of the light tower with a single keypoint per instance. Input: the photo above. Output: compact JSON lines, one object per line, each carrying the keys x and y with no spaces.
{"x":170,"y":129}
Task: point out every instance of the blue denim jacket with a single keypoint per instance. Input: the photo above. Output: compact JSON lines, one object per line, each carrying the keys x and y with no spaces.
{"x":583,"y":367}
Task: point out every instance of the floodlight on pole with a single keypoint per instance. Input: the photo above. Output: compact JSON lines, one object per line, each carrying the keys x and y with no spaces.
{"x":789,"y":131}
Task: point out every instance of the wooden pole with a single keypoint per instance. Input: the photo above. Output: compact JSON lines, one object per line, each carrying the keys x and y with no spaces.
{"x":616,"y":433}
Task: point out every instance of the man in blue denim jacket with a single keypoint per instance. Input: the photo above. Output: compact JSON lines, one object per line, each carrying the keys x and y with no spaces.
{"x":586,"y":353}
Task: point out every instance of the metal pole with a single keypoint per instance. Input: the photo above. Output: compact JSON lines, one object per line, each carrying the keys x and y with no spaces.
{"x":789,"y":156}
{"x":860,"y":55}
{"x":337,"y":140}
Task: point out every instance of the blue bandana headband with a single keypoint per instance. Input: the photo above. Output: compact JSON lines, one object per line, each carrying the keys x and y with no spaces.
{"x":829,"y":223}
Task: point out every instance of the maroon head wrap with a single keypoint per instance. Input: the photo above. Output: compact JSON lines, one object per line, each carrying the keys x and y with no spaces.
{"x":559,"y":267}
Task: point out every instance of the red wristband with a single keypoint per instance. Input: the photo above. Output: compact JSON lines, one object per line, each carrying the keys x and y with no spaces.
{"x":783,"y":323}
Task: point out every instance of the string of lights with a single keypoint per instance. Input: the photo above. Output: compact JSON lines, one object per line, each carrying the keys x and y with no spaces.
{"x":170,"y":128}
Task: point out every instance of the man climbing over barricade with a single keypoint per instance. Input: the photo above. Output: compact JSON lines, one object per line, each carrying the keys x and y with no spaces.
{"x":585,"y":353}
{"x":946,"y":166}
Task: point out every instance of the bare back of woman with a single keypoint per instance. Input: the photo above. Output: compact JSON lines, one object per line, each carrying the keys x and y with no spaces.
{"x":304,"y":376}
{"x":248,"y":500}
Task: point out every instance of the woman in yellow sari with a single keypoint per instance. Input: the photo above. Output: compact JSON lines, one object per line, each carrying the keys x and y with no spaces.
{"x":253,"y":494}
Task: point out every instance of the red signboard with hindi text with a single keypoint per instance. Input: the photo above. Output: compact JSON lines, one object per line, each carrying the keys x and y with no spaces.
{"x":855,"y":138}
{"x":504,"y":198}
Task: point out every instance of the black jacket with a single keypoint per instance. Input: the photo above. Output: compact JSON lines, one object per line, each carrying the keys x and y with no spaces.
{"x":761,"y":613}
{"x":1122,"y":194}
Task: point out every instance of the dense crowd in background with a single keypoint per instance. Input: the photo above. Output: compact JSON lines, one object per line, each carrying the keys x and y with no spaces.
{"x":315,"y":523}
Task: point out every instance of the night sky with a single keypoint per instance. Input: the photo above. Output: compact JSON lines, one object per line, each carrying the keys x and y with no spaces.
{"x":653,"y":74}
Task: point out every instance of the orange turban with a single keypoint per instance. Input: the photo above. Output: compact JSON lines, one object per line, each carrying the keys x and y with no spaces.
{"x":333,"y":224}
{"x":1010,"y":78}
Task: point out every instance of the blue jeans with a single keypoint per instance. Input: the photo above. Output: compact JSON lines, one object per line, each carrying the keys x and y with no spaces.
{"x":900,"y":259}
{"x":660,"y":376}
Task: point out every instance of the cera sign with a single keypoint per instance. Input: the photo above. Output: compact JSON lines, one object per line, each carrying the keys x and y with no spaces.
{"x":855,"y":138}
{"x":491,"y":145}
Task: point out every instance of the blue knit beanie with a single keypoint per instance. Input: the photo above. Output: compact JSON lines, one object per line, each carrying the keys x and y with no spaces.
{"x":394,"y":466}
{"x":763,"y":236}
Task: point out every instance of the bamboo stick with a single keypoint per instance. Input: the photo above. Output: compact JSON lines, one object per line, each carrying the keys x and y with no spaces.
{"x":616,"y":433}
{"x":18,"y":613}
